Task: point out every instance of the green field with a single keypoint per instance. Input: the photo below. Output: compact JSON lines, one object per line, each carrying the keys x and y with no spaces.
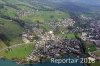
{"x":44,"y":16}
{"x":8,"y":11}
{"x":95,"y":64}
{"x":2,"y":45}
{"x":90,"y":48}
{"x":10,"y":29}
{"x":70,"y":36}
{"x":11,"y":25}
{"x":18,"y":52}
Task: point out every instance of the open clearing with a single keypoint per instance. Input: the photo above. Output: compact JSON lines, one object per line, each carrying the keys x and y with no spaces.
{"x":18,"y":52}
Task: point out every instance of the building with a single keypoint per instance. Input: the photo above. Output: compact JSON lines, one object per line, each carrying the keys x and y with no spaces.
{"x":97,"y":43}
{"x":84,"y":36}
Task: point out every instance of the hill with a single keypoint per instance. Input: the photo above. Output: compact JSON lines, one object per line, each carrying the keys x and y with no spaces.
{"x":15,"y":13}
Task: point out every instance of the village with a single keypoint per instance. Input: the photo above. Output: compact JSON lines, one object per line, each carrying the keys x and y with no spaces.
{"x":48,"y":45}
{"x":92,"y":37}
{"x":37,"y":29}
{"x":32,"y":32}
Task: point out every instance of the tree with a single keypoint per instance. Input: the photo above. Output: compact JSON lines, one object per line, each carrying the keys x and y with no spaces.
{"x":51,"y":16}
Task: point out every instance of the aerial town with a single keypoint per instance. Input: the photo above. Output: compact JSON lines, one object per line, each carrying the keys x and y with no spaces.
{"x":49,"y":45}
{"x":35,"y":31}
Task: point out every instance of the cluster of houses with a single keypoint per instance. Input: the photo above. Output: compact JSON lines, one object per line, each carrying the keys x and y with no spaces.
{"x":61,"y":23}
{"x":34,"y":29}
{"x":93,"y":35}
{"x":51,"y":46}
{"x":85,"y":17}
{"x":21,"y":13}
{"x":27,"y":37}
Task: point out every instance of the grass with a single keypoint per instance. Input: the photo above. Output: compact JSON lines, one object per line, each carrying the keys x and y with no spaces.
{"x":2,"y":45}
{"x":97,"y":53}
{"x":11,"y":30}
{"x":2,"y":2}
{"x":13,"y":26}
{"x":70,"y":35}
{"x":43,"y":16}
{"x":23,"y":7}
{"x":8,"y":11}
{"x":95,"y":64}
{"x":12,"y":1}
{"x":13,"y":41}
{"x":45,"y":27}
{"x":90,"y":48}
{"x":19,"y":52}
{"x":11,"y":10}
{"x":16,"y":40}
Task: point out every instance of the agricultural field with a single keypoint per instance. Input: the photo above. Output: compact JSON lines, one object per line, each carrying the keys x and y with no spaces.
{"x":43,"y":16}
{"x":19,"y":52}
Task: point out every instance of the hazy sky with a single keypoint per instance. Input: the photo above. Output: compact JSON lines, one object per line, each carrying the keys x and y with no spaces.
{"x":91,"y":2}
{"x":95,"y":2}
{"x":88,"y":1}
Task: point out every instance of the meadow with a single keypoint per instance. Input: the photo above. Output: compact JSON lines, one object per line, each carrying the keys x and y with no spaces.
{"x":43,"y":16}
{"x":18,"y":52}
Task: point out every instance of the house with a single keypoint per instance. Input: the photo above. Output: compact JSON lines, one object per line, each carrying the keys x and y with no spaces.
{"x":84,"y":36}
{"x":97,"y":43}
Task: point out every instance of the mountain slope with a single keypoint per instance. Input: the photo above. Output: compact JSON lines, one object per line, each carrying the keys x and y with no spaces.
{"x":14,"y":14}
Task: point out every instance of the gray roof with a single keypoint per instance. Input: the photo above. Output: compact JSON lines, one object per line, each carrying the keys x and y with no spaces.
{"x":97,"y":42}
